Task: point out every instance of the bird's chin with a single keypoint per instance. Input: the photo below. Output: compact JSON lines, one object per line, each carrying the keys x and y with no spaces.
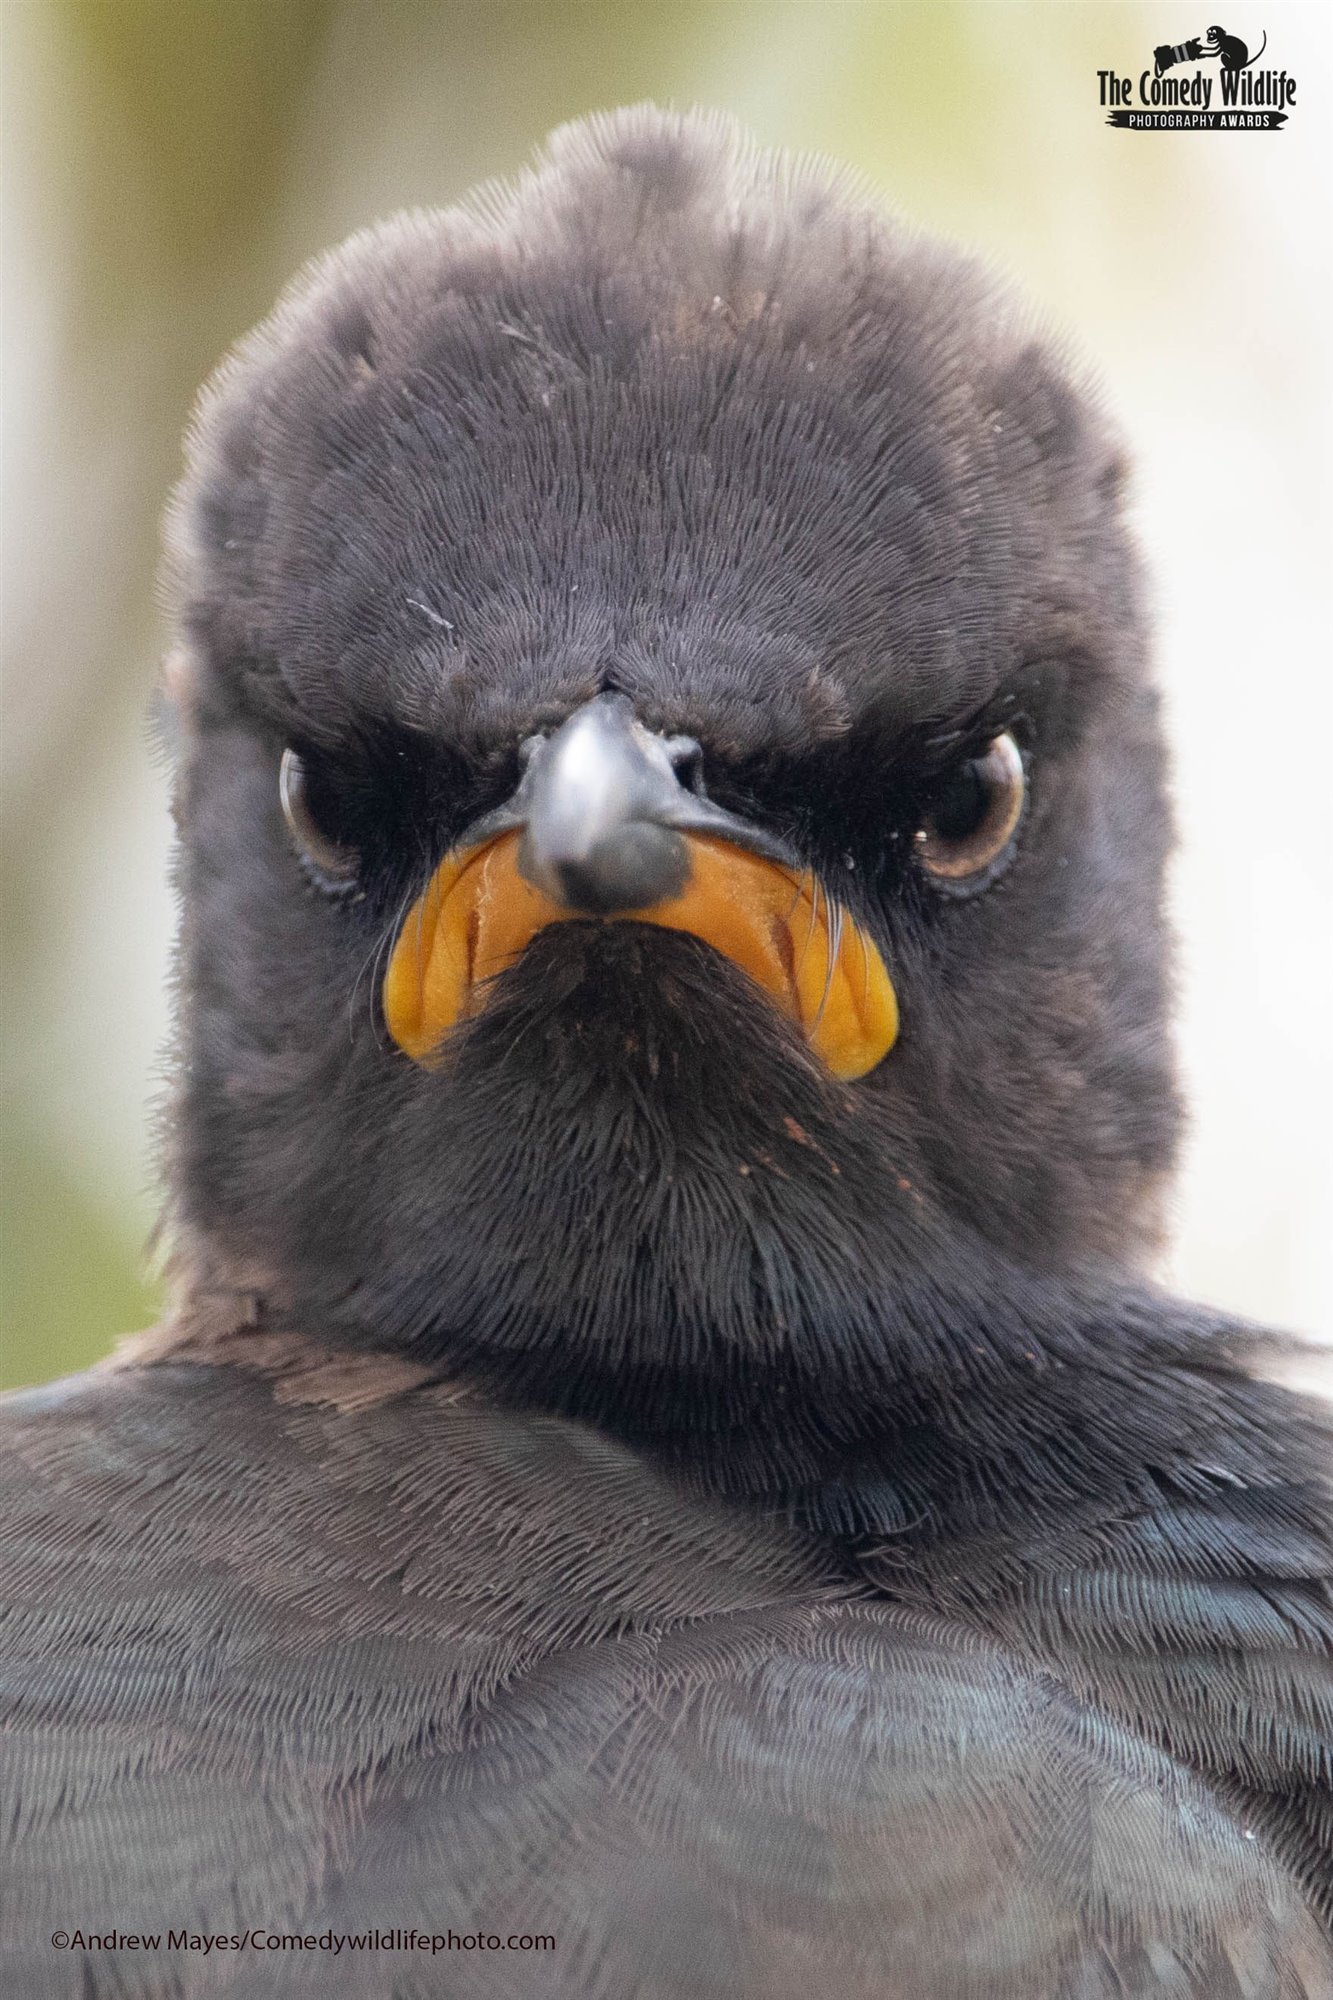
{"x":609,"y":1020}
{"x":627,"y":1164}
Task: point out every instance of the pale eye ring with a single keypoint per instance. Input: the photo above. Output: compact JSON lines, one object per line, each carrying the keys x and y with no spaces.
{"x":966,"y":837}
{"x":333,"y":865}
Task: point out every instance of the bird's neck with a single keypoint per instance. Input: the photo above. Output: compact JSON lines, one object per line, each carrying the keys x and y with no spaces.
{"x":971,"y":1401}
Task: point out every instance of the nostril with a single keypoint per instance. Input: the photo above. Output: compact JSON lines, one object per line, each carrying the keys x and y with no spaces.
{"x":687,"y":761}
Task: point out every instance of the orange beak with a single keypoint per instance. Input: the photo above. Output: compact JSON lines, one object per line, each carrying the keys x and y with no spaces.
{"x":478,"y":912}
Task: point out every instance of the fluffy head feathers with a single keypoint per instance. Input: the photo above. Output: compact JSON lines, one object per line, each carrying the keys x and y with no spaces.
{"x":679,"y":418}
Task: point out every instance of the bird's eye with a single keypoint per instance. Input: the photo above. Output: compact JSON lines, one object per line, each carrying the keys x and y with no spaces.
{"x":966,"y":836}
{"x":333,"y":865}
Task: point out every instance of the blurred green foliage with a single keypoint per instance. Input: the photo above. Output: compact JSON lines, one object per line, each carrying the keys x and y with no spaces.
{"x":69,"y":1281}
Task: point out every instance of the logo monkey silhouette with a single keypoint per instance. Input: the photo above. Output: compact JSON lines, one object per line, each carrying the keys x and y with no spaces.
{"x":1229,"y":49}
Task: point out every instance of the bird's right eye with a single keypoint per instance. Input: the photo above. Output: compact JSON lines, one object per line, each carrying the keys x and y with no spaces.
{"x":332,"y":864}
{"x":966,"y":837}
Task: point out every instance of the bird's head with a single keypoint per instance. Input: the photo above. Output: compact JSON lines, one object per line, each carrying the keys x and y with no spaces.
{"x":671,"y":806}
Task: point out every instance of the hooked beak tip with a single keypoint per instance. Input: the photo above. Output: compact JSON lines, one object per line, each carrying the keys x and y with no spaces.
{"x":642,"y":864}
{"x":601,"y":796}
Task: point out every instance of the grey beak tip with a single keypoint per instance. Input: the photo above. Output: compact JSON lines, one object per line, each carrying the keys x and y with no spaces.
{"x":644,"y":864}
{"x":605,"y":818}
{"x":602,"y":794}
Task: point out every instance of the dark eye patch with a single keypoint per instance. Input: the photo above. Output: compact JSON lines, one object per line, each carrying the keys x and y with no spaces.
{"x":400,"y":800}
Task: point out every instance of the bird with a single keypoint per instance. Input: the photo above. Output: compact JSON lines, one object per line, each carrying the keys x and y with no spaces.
{"x":666,"y":1470}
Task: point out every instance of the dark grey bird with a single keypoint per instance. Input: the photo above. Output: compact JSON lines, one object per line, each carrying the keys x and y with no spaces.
{"x":664,"y":1475}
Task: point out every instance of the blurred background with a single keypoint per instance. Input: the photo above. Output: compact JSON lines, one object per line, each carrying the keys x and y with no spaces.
{"x":168,"y":164}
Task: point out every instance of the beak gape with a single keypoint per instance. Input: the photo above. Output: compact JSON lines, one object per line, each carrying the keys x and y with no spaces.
{"x":602,"y":827}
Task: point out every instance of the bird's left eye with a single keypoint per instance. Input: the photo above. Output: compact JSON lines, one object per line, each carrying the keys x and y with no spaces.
{"x":967,"y":833}
{"x":333,"y":865}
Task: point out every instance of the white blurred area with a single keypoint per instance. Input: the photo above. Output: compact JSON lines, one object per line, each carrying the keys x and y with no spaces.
{"x":1193,"y":269}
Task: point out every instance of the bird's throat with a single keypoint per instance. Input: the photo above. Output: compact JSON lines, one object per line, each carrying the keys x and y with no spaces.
{"x":478,"y":913}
